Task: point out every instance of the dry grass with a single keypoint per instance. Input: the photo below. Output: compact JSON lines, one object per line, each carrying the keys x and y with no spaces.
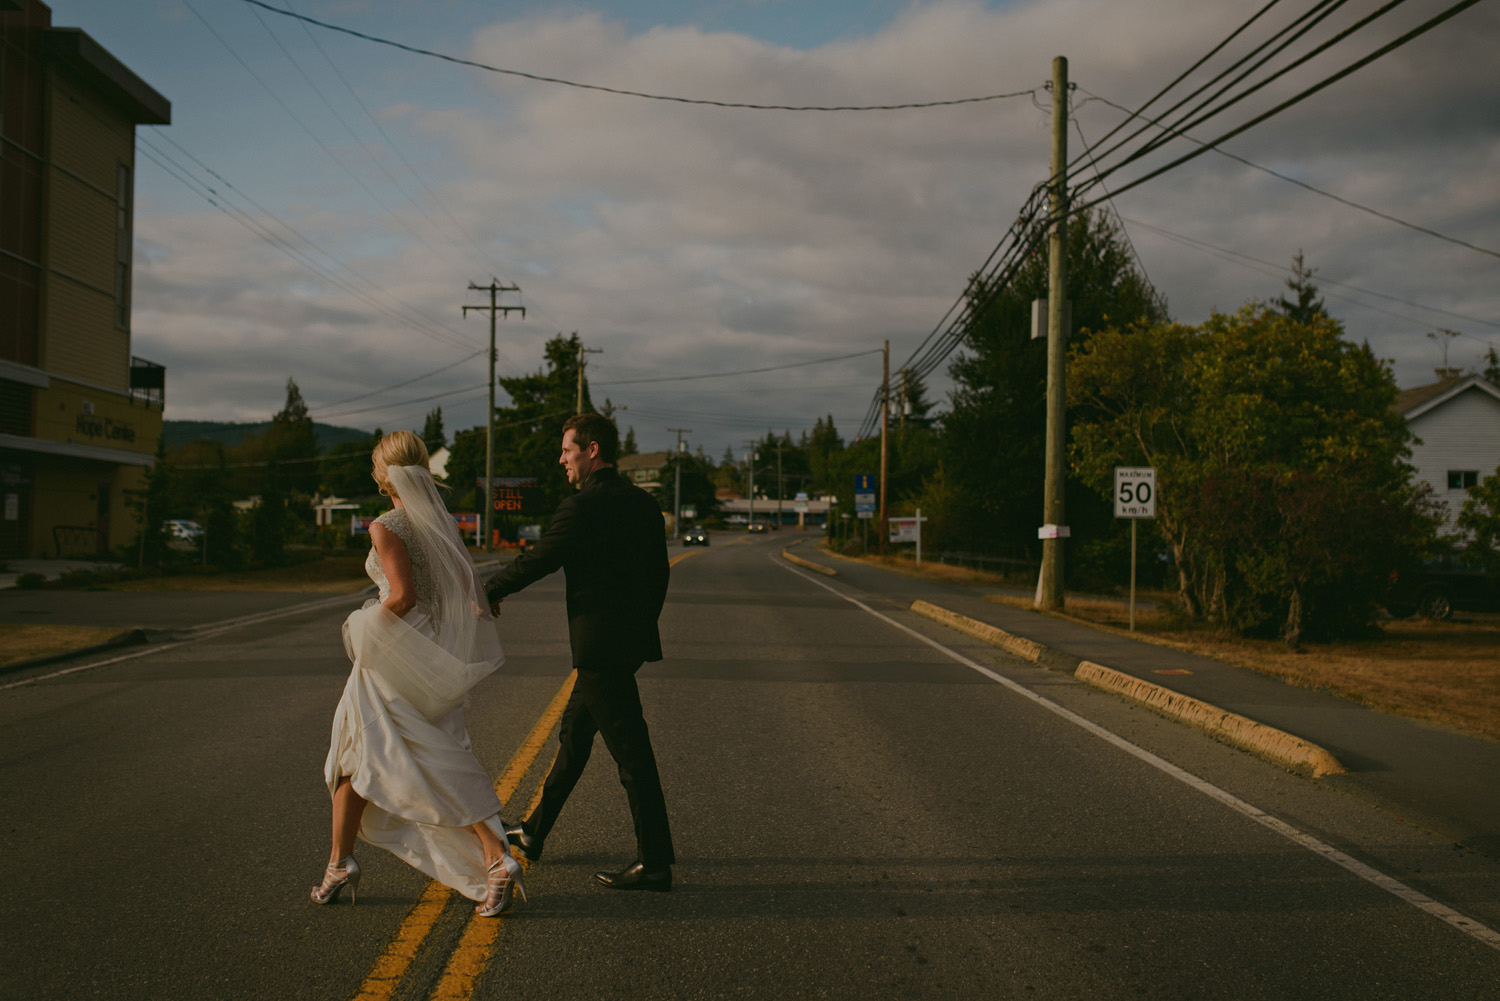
{"x":343,"y":573}
{"x":1441,"y":672}
{"x":22,"y":642}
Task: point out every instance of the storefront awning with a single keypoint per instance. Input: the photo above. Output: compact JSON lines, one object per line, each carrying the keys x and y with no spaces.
{"x":98,"y":453}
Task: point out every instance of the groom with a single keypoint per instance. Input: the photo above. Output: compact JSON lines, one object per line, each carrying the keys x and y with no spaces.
{"x":610,"y":541}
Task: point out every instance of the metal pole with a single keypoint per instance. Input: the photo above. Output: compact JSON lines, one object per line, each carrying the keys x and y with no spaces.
{"x":1133,"y":523}
{"x":919,"y":536}
{"x":780,"y":487}
{"x":1057,"y":297}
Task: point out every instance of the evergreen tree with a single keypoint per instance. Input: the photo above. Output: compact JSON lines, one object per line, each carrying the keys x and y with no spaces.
{"x":994,"y":436}
{"x":1307,"y":304}
{"x":628,"y":445}
{"x":432,"y":431}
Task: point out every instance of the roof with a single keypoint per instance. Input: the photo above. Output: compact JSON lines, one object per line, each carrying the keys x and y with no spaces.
{"x":1419,"y":400}
{"x":642,"y":460}
{"x":90,"y":60}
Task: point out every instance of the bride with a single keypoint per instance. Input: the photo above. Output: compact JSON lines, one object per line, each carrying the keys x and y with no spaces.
{"x":400,"y":766}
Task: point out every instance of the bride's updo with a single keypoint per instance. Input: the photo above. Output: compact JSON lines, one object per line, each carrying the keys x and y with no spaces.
{"x":399,"y":448}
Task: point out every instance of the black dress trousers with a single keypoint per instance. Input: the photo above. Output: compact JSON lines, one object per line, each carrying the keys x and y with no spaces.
{"x":609,"y":703}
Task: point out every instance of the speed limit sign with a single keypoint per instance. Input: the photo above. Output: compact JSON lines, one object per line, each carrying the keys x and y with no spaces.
{"x":1135,"y":492}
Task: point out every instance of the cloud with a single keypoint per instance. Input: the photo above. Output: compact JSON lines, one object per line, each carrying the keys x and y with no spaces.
{"x":685,"y":239}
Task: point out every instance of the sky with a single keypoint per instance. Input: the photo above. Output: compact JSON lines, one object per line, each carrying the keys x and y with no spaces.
{"x":320,"y":203}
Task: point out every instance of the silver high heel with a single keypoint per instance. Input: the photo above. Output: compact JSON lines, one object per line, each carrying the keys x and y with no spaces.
{"x":503,"y":878}
{"x":344,"y":872}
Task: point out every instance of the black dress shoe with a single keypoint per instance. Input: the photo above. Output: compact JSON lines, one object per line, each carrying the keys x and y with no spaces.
{"x":636,"y":876}
{"x":528,"y":845}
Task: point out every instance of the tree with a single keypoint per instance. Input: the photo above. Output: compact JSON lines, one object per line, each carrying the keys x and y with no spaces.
{"x":993,"y":441}
{"x":1480,"y":517}
{"x":201,"y":489}
{"x":1282,"y":486}
{"x":153,"y":506}
{"x":1491,"y":371}
{"x":346,"y":468}
{"x":628,"y":445}
{"x":291,"y":443}
{"x":823,"y":448}
{"x":1307,"y":304}
{"x":432,"y":431}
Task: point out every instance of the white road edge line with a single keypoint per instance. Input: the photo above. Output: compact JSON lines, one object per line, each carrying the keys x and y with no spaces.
{"x":1421,"y":901}
{"x":202,"y":633}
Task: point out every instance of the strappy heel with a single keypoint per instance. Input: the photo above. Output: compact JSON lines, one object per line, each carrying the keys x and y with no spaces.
{"x":344,"y":872}
{"x":504,"y":878}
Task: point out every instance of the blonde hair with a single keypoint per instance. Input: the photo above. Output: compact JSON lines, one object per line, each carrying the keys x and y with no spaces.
{"x":399,"y":448}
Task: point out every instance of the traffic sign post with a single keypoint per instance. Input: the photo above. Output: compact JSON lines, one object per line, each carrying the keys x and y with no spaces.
{"x":864,"y":503}
{"x":908,"y":530}
{"x":1135,"y":498}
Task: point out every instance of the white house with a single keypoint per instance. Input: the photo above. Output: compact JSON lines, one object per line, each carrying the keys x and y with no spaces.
{"x":1457,"y":426}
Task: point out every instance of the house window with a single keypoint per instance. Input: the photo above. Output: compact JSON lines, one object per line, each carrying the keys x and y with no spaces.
{"x":1462,"y":479}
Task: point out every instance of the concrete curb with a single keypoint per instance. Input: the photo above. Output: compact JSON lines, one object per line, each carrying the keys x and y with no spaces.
{"x":1276,"y":746}
{"x":825,"y":571}
{"x":1020,"y":646}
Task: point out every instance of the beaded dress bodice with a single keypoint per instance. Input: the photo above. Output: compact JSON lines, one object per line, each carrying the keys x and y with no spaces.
{"x":421,"y":573}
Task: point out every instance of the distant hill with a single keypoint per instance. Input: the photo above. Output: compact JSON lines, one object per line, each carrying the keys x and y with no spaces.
{"x":231,"y":434}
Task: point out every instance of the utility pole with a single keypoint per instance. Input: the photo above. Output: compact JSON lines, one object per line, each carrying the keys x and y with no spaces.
{"x":494,"y":288}
{"x":780,"y":487}
{"x":753,"y":457}
{"x":1054,"y":522}
{"x":677,"y":461}
{"x":581,"y":363}
{"x":885,"y":448}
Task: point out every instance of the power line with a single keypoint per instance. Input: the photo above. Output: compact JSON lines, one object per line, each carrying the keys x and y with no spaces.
{"x":408,"y":382}
{"x":1309,"y":187}
{"x":209,"y":194}
{"x":631,"y":93}
{"x":473,"y":249}
{"x":1323,"y":280}
{"x":1358,"y":64}
{"x":1320,"y":11}
{"x":743,"y":371}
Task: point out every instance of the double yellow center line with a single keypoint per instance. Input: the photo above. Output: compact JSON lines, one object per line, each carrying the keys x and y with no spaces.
{"x":477,"y":943}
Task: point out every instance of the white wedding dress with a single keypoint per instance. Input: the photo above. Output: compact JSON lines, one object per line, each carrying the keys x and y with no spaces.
{"x":399,"y":732}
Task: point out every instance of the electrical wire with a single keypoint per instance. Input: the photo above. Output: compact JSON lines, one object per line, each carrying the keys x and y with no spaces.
{"x":631,"y":93}
{"x":743,"y":371}
{"x":1309,"y":187}
{"x":176,"y":172}
{"x":408,"y":382}
{"x":1358,"y":64}
{"x":1311,"y":18}
{"x":1272,"y":268}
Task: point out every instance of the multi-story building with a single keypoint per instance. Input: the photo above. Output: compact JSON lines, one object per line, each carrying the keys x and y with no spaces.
{"x":80,"y":417}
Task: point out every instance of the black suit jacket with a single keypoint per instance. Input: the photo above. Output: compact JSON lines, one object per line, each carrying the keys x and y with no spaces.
{"x":610,"y":541}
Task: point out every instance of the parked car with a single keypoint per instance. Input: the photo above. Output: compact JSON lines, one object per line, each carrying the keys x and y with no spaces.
{"x":695,"y":536}
{"x":182,"y":528}
{"x":757,"y":526}
{"x":1435,"y":589}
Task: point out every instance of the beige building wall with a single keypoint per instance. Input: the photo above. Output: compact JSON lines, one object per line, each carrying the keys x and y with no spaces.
{"x":88,"y":144}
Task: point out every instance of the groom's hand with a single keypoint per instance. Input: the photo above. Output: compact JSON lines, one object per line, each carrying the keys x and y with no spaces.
{"x":495,"y":607}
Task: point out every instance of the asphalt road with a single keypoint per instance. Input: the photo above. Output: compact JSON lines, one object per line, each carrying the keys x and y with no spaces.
{"x":865,"y":804}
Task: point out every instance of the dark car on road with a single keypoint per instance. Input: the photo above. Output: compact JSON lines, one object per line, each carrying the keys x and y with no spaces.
{"x":757,"y":526}
{"x":1435,"y":589}
{"x":695,"y":536}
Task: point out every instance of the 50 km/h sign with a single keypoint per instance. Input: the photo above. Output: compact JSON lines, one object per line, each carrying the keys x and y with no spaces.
{"x":1135,"y":498}
{"x":1135,"y":492}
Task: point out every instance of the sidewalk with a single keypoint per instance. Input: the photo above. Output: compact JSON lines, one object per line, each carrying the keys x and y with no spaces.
{"x":1444,"y":779}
